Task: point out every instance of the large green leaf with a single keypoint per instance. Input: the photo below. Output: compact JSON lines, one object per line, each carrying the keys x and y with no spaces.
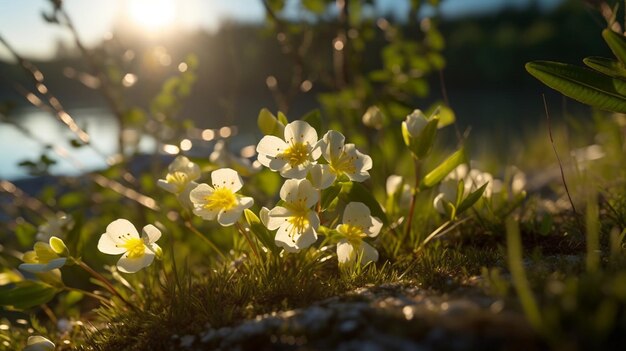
{"x":582,"y":84}
{"x":617,"y":43}
{"x":26,"y":294}
{"x":606,"y":66}
{"x":436,"y":175}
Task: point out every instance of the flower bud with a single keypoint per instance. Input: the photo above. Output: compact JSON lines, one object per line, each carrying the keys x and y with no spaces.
{"x":373,"y":118}
{"x":415,"y":123}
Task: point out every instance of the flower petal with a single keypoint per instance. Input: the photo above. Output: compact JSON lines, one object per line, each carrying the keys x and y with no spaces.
{"x":120,"y":227}
{"x":284,"y":240}
{"x":229,"y":217}
{"x":205,"y":213}
{"x":163,"y":184}
{"x":300,"y":132}
{"x":297,"y":172}
{"x":227,"y":178}
{"x":307,"y":238}
{"x":150,"y":234}
{"x":289,"y":190}
{"x":109,"y":246}
{"x":333,"y":145}
{"x":345,"y":252}
{"x":199,"y":194}
{"x":132,"y":265}
{"x":308,"y":192}
{"x":321,"y":176}
{"x":357,"y":213}
{"x":271,"y":146}
{"x":375,"y":227}
{"x":38,"y":343}
{"x":368,"y":253}
{"x":277,"y":217}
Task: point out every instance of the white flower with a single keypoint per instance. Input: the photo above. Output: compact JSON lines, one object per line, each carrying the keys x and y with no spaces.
{"x":38,"y":343}
{"x":121,"y":237}
{"x":357,"y":224}
{"x":344,"y":158}
{"x":45,"y":257}
{"x":294,"y":156}
{"x":295,"y":221}
{"x":415,"y":123}
{"x":181,"y":172}
{"x":56,"y":226}
{"x":220,"y":199}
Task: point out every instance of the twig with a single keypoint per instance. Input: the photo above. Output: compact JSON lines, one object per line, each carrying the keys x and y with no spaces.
{"x":545,"y":105}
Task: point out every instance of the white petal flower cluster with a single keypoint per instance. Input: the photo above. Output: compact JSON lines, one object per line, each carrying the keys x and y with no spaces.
{"x":310,"y":166}
{"x":357,"y":225}
{"x":121,"y":237}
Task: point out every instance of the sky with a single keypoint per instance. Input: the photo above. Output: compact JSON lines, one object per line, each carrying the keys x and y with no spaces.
{"x":22,"y":26}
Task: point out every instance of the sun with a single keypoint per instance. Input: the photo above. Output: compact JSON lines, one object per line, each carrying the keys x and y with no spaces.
{"x":152,"y":14}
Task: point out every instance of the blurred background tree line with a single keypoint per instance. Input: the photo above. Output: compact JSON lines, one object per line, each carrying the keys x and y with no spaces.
{"x":482,"y":53}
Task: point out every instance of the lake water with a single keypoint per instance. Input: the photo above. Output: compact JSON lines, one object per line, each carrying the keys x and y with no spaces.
{"x":16,"y":147}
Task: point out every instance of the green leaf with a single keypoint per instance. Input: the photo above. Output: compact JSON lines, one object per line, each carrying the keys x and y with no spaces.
{"x":606,"y":66}
{"x":436,"y":175}
{"x":445,"y":113}
{"x":269,"y":124}
{"x":351,"y":191}
{"x":582,"y":84}
{"x":471,"y":199}
{"x":26,"y":294}
{"x":314,"y":118}
{"x":260,"y":231}
{"x":282,"y":118}
{"x":617,"y":43}
{"x":329,"y":194}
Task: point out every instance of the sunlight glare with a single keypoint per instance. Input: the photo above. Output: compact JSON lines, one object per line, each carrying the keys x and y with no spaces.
{"x":152,"y":14}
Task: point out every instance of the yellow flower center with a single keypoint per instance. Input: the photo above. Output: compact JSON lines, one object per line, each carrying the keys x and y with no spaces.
{"x":353,"y":233}
{"x":296,"y":154}
{"x":134,"y":247}
{"x":180,"y":179}
{"x":343,"y":164}
{"x":221,"y":198}
{"x":299,"y":219}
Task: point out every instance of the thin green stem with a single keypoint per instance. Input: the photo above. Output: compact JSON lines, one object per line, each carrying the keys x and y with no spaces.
{"x":243,"y":232}
{"x":418,"y":166}
{"x":206,"y":240}
{"x":88,"y":293}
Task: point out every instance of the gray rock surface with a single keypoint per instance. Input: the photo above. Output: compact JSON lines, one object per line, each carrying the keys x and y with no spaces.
{"x":378,"y":318}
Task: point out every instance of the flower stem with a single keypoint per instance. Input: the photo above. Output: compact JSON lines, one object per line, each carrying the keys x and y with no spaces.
{"x":254,"y":248}
{"x":206,"y":240}
{"x":418,"y":166}
{"x":104,"y":280}
{"x":88,"y":293}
